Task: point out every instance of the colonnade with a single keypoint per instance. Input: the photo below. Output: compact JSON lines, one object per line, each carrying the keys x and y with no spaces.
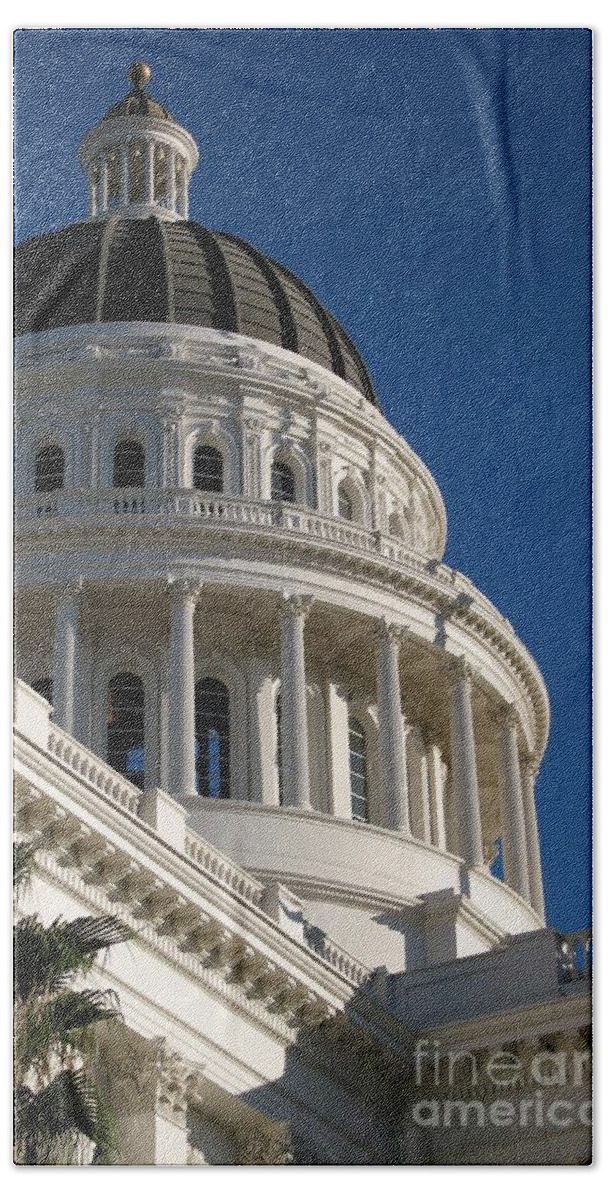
{"x":174,"y":198}
{"x":521,"y":856}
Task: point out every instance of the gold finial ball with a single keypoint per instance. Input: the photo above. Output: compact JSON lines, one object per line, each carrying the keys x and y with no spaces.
{"x":139,"y":73}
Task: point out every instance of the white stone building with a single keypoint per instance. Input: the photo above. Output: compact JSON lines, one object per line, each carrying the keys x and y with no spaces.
{"x":257,"y":716}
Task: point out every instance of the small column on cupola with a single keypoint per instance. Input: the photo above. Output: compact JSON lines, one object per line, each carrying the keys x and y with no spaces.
{"x":138,"y":160}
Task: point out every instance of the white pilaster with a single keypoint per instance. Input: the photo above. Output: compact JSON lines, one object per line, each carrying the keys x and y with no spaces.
{"x":391,"y":729}
{"x":436,"y":777}
{"x":324,"y":483}
{"x":65,"y":656}
{"x":515,"y":856}
{"x":103,"y":185}
{"x":537,"y":894}
{"x":149,"y":176}
{"x":338,"y":751}
{"x":252,"y":458}
{"x":172,"y":182}
{"x":418,"y":786}
{"x":182,"y":773}
{"x":464,"y":765}
{"x":261,"y":729}
{"x":294,"y":720}
{"x":124,"y":175}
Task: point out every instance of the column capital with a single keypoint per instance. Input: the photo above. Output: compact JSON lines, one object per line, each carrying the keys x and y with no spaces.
{"x":459,"y":668}
{"x":295,"y":605}
{"x":187,"y":589}
{"x":428,"y":736}
{"x":71,"y":591}
{"x":506,"y":715}
{"x":530,"y":766}
{"x":390,"y":632}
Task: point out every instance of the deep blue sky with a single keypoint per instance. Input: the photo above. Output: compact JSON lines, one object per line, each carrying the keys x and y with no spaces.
{"x":432,"y":188}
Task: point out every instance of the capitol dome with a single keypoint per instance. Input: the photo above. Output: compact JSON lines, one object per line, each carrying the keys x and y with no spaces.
{"x":230,"y":578}
{"x":133,"y":269}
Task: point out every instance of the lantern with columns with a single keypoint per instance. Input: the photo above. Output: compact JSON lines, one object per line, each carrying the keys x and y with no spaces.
{"x":229,"y":575}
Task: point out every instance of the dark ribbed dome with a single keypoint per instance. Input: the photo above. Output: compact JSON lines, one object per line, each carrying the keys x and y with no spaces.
{"x":153,"y":270}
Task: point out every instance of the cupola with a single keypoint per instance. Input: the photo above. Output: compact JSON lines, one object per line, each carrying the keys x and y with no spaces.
{"x":137,"y":158}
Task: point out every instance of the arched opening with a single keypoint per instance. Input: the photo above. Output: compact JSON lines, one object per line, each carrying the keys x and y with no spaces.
{"x":282,"y":482}
{"x":137,"y":169}
{"x":114,"y":178}
{"x":345,"y":503}
{"x":49,"y":469}
{"x":126,"y":726}
{"x":212,"y":730}
{"x":208,"y":469}
{"x":129,"y":465}
{"x":359,"y":792}
{"x":162,"y":187}
{"x":396,"y":525}
{"x":44,"y":687}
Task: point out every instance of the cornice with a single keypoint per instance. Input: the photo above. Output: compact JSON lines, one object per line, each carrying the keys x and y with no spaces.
{"x":305,"y":980}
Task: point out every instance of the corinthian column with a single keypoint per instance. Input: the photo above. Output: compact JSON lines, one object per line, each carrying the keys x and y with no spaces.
{"x":391,"y":729}
{"x":537,"y":893}
{"x":103,"y":185}
{"x":66,"y":655}
{"x":294,"y":717}
{"x":464,"y":765}
{"x":515,"y":855}
{"x":182,"y":769}
{"x":149,"y":172}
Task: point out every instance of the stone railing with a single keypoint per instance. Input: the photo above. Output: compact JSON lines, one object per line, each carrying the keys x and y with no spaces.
{"x":160,"y":811}
{"x":574,"y":955}
{"x":240,"y":513}
{"x":222,"y":869}
{"x":94,"y":770}
{"x":350,"y":968}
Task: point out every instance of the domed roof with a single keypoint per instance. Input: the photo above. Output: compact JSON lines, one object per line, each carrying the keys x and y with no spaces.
{"x":138,"y":103}
{"x":128,"y":269}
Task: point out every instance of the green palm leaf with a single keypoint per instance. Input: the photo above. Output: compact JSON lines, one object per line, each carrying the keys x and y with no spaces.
{"x":52,"y":1020}
{"x":47,"y":956}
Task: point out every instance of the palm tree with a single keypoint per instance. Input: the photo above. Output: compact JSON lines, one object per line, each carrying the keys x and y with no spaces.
{"x":57,"y":1103}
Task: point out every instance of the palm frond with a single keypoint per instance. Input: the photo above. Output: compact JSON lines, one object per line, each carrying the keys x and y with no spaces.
{"x":42,"y":1026}
{"x":23,"y":856}
{"x":46,"y":957}
{"x":68,"y":1104}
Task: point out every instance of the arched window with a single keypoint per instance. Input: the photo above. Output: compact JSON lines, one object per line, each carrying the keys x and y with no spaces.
{"x":44,"y":687}
{"x":358,"y":770}
{"x":208,"y":469}
{"x":212,"y":749}
{"x":129,"y":465}
{"x":282,"y":482}
{"x":49,"y":469}
{"x":396,"y":526}
{"x":345,"y":504}
{"x":126,"y":724}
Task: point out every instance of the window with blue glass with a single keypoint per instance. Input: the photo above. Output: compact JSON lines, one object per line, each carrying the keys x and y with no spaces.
{"x":357,"y":746}
{"x":212,"y":746}
{"x":279,"y":744}
{"x":126,"y":725}
{"x":282,"y":482}
{"x":49,"y":469}
{"x":208,"y":469}
{"x":129,"y":469}
{"x":44,"y":687}
{"x":345,"y":504}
